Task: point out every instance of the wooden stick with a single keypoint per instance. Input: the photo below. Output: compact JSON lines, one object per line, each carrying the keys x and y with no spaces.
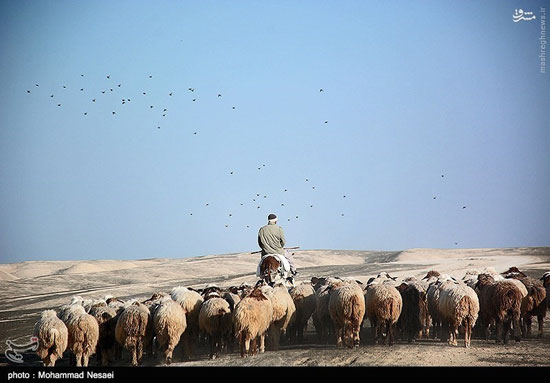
{"x":286,"y":248}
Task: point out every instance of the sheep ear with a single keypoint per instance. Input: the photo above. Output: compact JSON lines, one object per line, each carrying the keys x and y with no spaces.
{"x":359,"y":282}
{"x":370,"y":280}
{"x":394,"y":278}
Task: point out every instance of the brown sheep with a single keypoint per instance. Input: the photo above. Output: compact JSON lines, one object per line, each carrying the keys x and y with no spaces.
{"x":106,"y":346}
{"x":347,"y":309}
{"x":383,"y":305}
{"x":52,"y":337}
{"x":534,"y":304}
{"x":546,"y":283}
{"x":283,"y":312}
{"x":133,"y":328}
{"x":414,"y":318}
{"x":499,"y":301}
{"x":251,"y":320}
{"x":324,"y":327}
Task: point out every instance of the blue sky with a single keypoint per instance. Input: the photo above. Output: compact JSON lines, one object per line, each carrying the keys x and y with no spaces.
{"x":420,"y":99}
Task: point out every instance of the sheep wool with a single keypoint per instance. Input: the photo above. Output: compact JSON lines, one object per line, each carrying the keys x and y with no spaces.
{"x":169,"y":323}
{"x":52,"y":337}
{"x":458,"y":305}
{"x":132,"y":329}
{"x":251,"y":319}
{"x":83,"y":332}
{"x":383,"y":305}
{"x":305,"y":301}
{"x":347,"y":309}
{"x":215,"y":319}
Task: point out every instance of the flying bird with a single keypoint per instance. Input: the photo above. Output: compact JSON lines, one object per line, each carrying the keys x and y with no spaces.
{"x":170,"y":94}
{"x":321,"y":90}
{"x":28,"y":91}
{"x":219,"y":95}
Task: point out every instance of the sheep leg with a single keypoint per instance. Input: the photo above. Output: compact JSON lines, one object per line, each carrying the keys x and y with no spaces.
{"x":85,"y":358}
{"x":540,"y":319}
{"x":139,"y":351}
{"x":78,"y":359}
{"x":527,"y":322}
{"x":467,"y":332}
{"x":499,"y":332}
{"x":262,"y":343}
{"x":339,"y":331}
{"x":389,"y":333}
{"x":242,"y":345}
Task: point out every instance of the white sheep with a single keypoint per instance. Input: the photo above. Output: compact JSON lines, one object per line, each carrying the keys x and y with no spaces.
{"x":458,"y":305}
{"x":169,"y":323}
{"x":83,"y":331}
{"x":52,"y":337}
{"x":191,"y":302}
{"x":251,"y":320}
{"x":305,"y":301}
{"x":215,"y":320}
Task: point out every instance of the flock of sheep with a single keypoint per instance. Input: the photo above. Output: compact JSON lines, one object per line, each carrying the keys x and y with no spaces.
{"x":249,"y":316}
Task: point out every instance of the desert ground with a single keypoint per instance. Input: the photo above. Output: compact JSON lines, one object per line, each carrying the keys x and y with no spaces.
{"x":27,"y":288}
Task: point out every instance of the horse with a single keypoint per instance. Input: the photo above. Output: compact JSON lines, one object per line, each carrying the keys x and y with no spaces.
{"x":272,"y":271}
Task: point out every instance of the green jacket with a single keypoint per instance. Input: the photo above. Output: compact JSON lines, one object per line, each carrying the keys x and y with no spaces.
{"x":271,"y":239}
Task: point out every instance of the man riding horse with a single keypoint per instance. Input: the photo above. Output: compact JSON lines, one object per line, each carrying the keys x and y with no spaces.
{"x":271,"y":239}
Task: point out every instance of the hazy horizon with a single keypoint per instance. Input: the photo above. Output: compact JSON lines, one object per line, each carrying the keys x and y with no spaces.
{"x":361,"y":124}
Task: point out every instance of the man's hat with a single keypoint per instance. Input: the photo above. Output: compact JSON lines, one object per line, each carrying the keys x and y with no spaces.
{"x":271,"y":216}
